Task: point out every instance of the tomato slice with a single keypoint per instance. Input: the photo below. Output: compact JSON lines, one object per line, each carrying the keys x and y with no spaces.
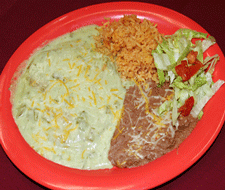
{"x":195,"y":67}
{"x":186,"y":108}
{"x":192,"y":56}
{"x":185,"y":71}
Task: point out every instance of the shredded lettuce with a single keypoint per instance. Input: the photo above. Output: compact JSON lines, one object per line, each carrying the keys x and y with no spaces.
{"x":207,"y":43}
{"x":175,"y":113}
{"x":189,"y":34}
{"x":161,"y":61}
{"x":164,"y":107}
{"x":202,"y":46}
{"x":171,"y":76}
{"x":199,"y":81}
{"x":179,"y":84}
{"x":200,"y":115}
{"x":182,"y":96}
{"x":210,"y":62}
{"x":199,"y":49}
{"x":184,"y":52}
{"x":204,"y":94}
{"x":169,"y":54}
{"x":161,"y":76}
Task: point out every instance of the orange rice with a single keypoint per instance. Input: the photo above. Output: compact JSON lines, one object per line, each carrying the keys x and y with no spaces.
{"x":130,"y":42}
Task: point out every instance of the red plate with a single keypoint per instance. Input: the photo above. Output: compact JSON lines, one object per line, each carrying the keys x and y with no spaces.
{"x":55,"y":176}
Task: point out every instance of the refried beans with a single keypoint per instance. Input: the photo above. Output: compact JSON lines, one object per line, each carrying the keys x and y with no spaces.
{"x":142,"y":135}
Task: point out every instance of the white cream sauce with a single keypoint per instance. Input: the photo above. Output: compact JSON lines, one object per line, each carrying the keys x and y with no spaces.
{"x":69,"y":100}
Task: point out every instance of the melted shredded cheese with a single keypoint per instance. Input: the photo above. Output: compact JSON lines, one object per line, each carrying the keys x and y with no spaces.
{"x":75,"y":107}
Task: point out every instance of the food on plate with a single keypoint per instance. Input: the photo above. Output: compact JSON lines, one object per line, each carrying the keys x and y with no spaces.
{"x":121,"y":94}
{"x":143,"y":134}
{"x":158,"y":114}
{"x":131,"y":42}
{"x":68,"y":101}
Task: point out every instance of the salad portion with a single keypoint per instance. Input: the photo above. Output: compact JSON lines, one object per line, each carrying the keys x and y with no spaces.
{"x":179,"y":60}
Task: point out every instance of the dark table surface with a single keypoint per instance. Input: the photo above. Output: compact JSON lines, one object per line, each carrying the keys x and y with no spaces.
{"x":20,"y":18}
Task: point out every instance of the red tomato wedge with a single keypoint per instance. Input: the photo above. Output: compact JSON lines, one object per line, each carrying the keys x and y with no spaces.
{"x":185,"y":71}
{"x":186,"y":108}
{"x":192,"y":56}
{"x":193,"y":69}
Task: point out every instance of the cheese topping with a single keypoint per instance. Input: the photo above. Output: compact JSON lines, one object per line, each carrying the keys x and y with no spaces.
{"x":69,"y":100}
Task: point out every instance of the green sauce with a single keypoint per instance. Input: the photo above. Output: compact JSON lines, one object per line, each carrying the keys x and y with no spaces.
{"x":69,"y":100}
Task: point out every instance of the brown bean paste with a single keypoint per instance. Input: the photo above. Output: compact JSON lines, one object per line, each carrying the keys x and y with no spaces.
{"x":143,"y":135}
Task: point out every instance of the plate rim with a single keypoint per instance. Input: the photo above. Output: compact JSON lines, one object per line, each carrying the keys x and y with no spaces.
{"x":65,"y":16}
